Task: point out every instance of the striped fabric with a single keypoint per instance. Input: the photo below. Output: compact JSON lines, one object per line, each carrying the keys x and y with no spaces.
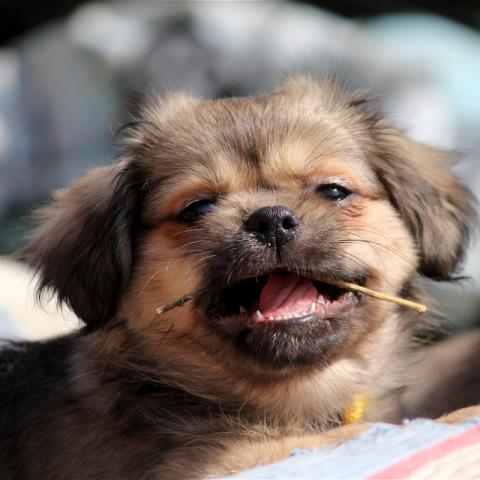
{"x":421,"y":449}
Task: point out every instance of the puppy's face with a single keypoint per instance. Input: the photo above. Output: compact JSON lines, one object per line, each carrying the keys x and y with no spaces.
{"x":250,"y":198}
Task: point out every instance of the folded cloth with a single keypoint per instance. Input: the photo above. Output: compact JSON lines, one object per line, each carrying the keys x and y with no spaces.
{"x":420,"y":449}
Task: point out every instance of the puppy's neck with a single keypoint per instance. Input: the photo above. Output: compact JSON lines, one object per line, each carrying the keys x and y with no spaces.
{"x":122,"y":377}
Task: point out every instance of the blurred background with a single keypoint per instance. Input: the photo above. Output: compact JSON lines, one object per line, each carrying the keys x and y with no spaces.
{"x":72,"y":70}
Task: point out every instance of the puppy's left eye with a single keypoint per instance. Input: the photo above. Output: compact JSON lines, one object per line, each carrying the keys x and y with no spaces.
{"x":195,"y":210}
{"x":333,"y":192}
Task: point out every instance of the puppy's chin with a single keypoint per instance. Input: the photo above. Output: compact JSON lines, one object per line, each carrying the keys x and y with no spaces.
{"x":282,"y":319}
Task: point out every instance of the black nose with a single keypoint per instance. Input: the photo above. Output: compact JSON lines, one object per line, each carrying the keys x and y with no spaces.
{"x":274,"y":226}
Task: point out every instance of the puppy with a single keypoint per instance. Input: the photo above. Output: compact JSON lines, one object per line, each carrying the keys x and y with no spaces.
{"x":244,"y":197}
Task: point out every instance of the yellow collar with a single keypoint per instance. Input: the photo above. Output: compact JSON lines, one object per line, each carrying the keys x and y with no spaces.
{"x":355,"y":409}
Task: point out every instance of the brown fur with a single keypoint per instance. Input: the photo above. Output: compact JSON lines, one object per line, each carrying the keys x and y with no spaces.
{"x":175,"y":397}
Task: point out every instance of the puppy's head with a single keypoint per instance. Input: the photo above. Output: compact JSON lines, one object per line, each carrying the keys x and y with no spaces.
{"x":250,"y":198}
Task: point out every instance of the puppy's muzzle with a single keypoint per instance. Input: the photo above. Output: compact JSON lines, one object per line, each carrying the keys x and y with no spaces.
{"x":274,"y":226}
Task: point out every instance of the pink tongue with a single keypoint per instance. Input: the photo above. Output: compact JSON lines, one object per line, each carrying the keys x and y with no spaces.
{"x":287,"y":295}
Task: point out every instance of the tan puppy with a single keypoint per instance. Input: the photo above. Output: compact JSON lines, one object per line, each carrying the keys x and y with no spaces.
{"x":244,"y":197}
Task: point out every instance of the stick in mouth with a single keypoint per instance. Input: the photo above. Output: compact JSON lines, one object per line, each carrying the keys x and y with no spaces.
{"x":420,"y":308}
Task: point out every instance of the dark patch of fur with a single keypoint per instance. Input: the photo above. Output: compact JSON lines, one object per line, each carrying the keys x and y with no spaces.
{"x":35,"y":385}
{"x":112,"y":422}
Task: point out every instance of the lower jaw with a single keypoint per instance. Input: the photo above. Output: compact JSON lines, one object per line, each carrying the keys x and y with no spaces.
{"x":294,"y":343}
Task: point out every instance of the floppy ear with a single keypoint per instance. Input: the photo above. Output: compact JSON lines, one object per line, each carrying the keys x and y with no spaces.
{"x":436,"y":206}
{"x":82,"y":249}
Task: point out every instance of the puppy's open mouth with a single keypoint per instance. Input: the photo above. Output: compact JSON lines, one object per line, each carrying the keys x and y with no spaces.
{"x":278,"y":299}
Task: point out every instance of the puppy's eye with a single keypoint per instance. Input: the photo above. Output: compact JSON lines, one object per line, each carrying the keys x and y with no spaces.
{"x":333,"y":192}
{"x":196,"y":209}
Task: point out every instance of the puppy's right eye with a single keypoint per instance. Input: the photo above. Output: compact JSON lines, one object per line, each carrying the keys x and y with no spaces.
{"x":333,"y":192}
{"x":195,"y":210}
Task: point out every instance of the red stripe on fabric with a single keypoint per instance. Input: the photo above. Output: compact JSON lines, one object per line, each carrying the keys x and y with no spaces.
{"x":409,"y":465}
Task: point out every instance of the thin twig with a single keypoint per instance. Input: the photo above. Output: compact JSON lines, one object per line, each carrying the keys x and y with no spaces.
{"x":419,"y":307}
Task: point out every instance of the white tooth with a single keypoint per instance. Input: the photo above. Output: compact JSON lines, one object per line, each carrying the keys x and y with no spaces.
{"x":320,"y":299}
{"x":312,"y":308}
{"x":243,"y":310}
{"x":259,"y":315}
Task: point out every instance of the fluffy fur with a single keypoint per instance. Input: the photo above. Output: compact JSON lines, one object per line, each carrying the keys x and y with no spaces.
{"x":137,"y":395}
